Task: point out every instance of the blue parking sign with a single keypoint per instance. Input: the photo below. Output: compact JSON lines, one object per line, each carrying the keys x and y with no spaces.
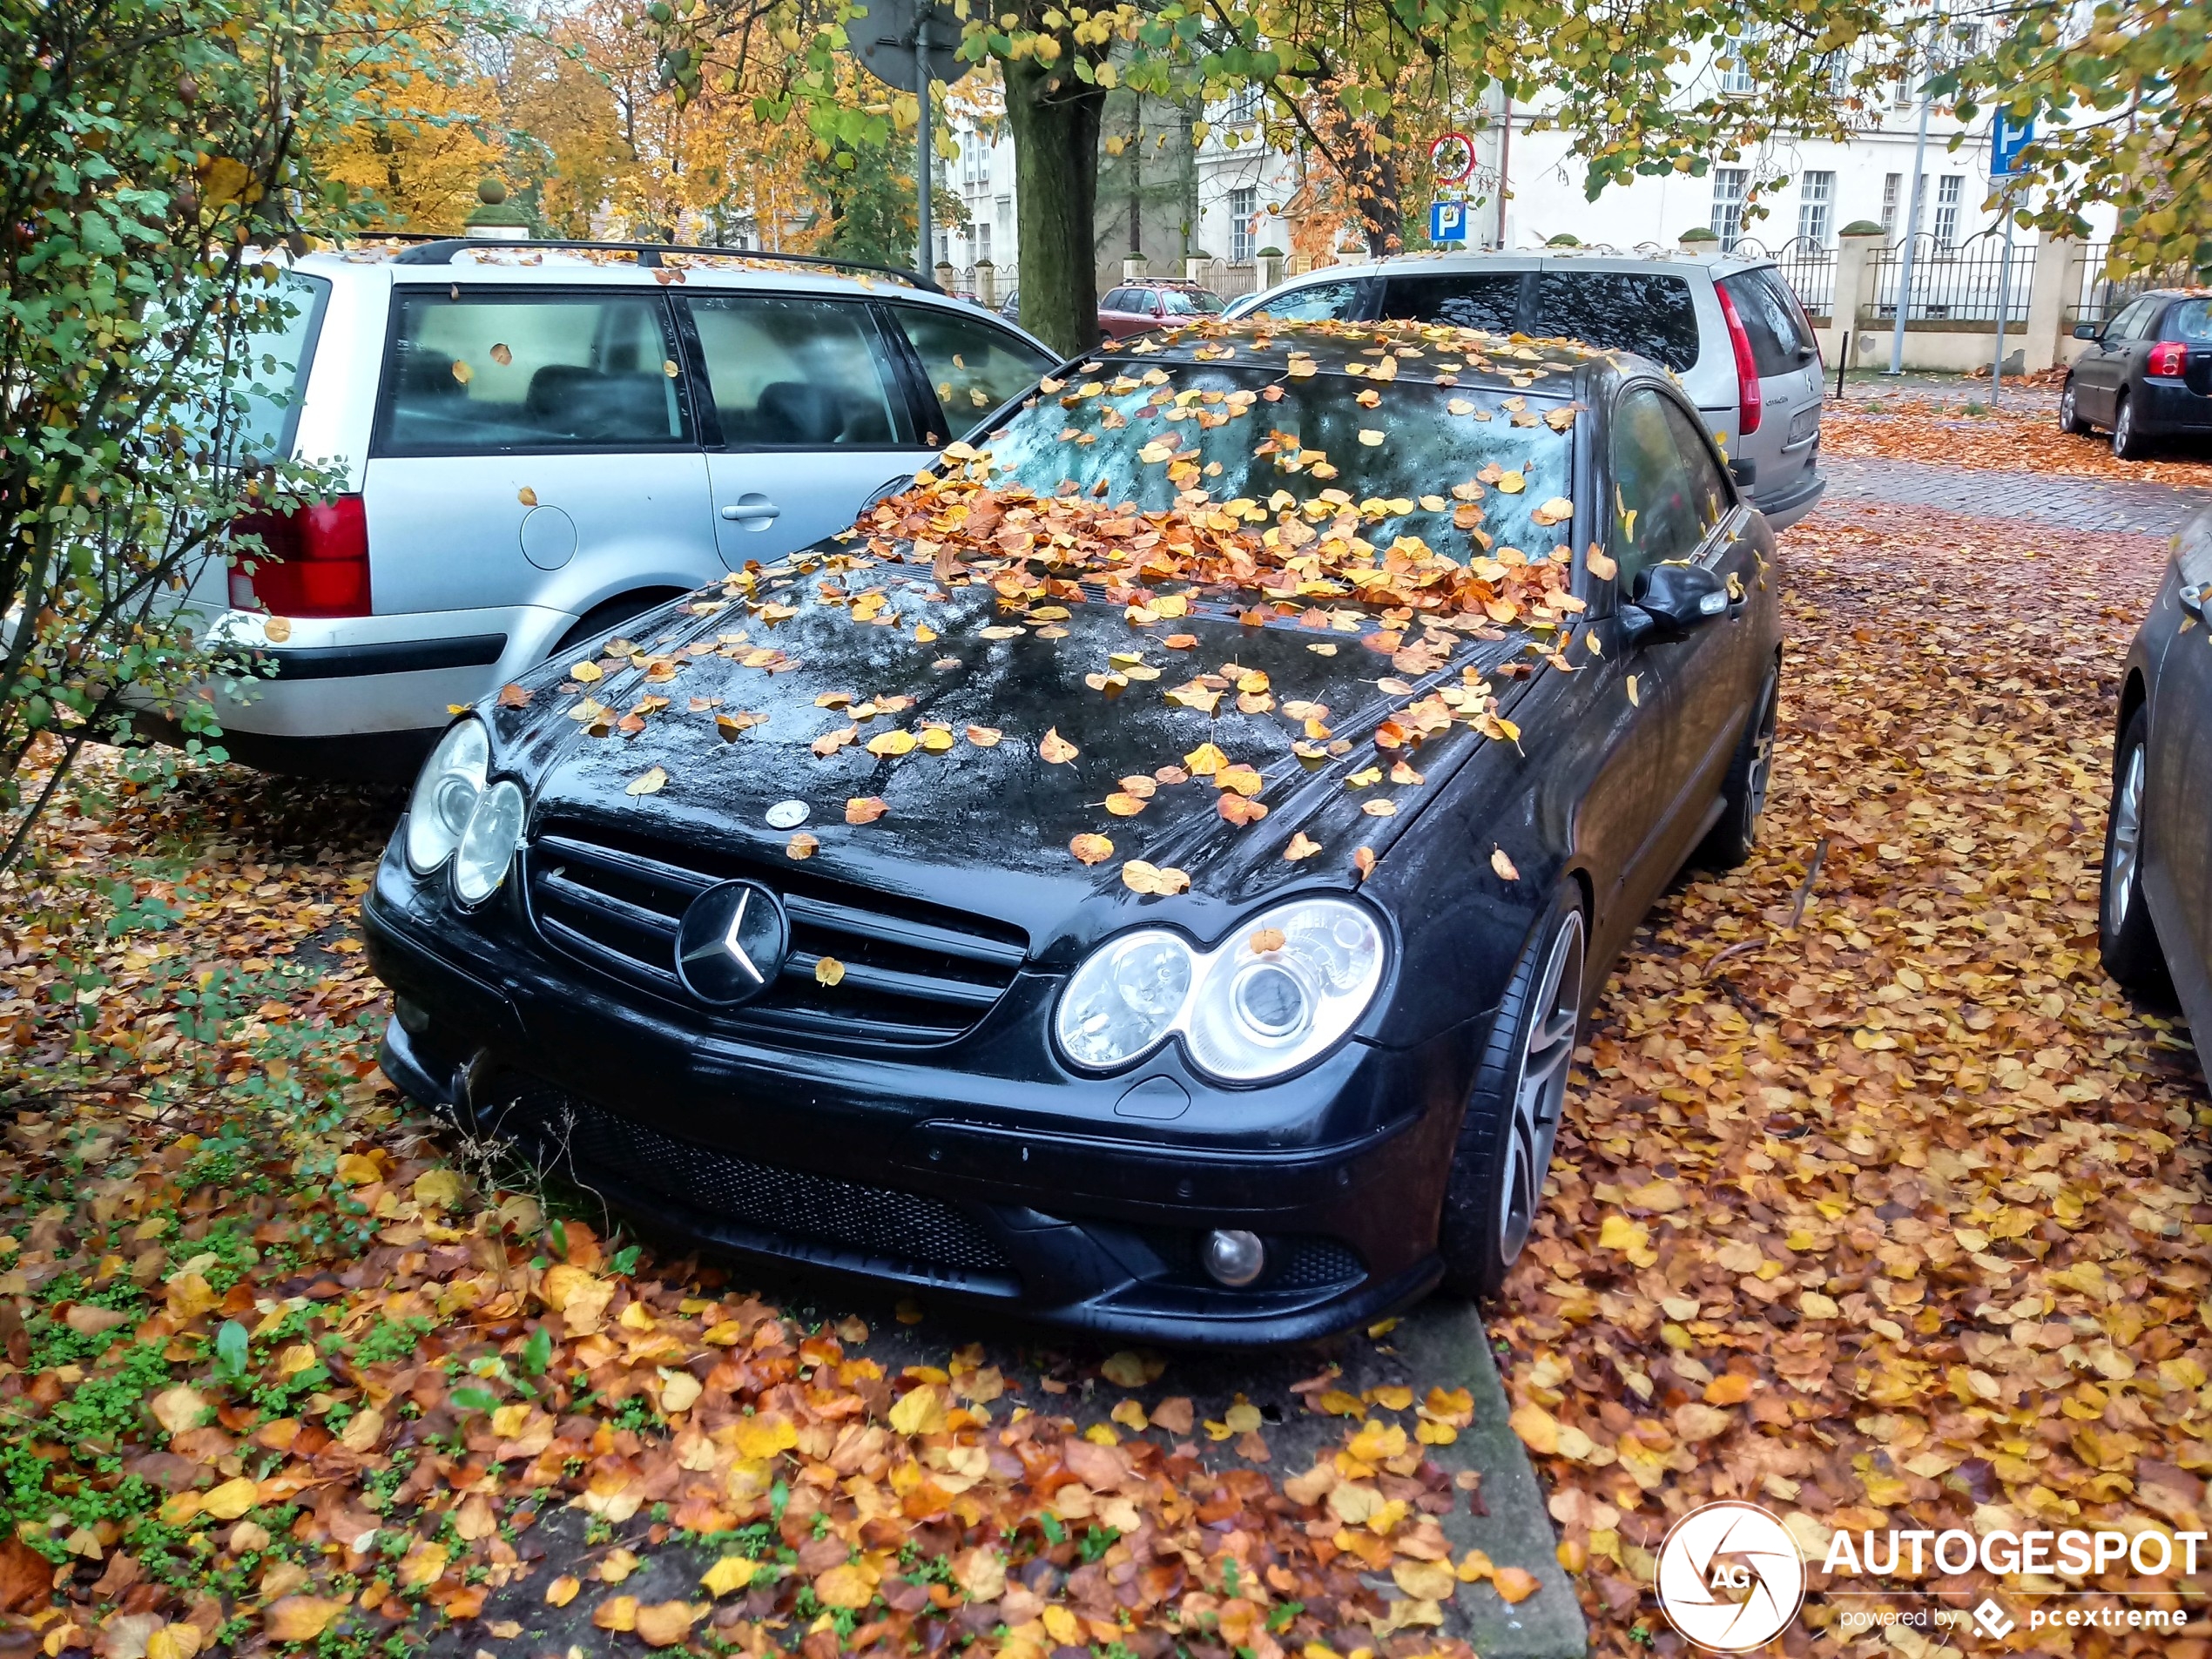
{"x":1448,"y":221}
{"x":2007,"y":140}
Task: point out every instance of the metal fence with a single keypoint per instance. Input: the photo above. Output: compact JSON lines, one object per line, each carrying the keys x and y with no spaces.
{"x":1808,"y":268}
{"x":1966,"y":282}
{"x":2102,"y":297}
{"x":1228,"y":282}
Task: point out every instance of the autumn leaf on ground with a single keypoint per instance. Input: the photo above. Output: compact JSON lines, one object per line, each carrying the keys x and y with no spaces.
{"x":585,"y":671}
{"x":514,"y":696}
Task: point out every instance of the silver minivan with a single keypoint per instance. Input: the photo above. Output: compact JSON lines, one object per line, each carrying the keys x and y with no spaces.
{"x":539,"y":441}
{"x":1729,"y":328}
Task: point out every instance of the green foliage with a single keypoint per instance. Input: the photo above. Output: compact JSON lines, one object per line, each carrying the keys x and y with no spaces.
{"x":2122,"y":95}
{"x":152,"y":173}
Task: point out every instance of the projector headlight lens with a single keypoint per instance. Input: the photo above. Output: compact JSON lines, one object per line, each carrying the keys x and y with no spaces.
{"x":487,"y":845}
{"x":1281,"y":990}
{"x":445,"y":795}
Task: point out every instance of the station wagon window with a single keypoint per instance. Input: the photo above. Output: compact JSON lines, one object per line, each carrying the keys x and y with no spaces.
{"x":1667,"y":494}
{"x":1316,"y":302}
{"x":271,"y":376}
{"x":973,"y":368}
{"x":1781,"y":338}
{"x":1487,"y":300}
{"x":1646,"y":311}
{"x":2135,"y":322}
{"x":791,"y":372}
{"x":1189,"y":302}
{"x":500,"y":372}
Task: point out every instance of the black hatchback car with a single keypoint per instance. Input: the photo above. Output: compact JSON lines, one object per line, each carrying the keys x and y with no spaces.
{"x":2148,"y":375}
{"x":1152,"y":873}
{"x":2156,"y":915}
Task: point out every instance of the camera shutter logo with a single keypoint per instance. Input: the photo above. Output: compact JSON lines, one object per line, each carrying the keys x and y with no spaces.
{"x":732,"y":944}
{"x":1731,"y":1579}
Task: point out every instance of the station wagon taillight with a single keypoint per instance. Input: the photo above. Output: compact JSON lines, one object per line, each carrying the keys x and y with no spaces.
{"x":2166,"y":360}
{"x":316,"y":563}
{"x":1747,"y":367}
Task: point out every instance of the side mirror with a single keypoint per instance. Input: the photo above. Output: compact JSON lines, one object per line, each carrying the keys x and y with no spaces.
{"x":2086,"y":331}
{"x":1671,"y":600}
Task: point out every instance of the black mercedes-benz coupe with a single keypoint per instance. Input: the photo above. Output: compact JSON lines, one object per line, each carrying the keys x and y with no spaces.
{"x":1150,"y":874}
{"x":2155,"y":920}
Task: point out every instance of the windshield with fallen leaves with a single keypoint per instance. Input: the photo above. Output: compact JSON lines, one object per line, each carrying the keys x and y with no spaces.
{"x":1469,"y":473}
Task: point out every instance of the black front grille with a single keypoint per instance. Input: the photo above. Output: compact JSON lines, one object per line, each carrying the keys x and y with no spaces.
{"x":903,"y":1229}
{"x":915,"y":973}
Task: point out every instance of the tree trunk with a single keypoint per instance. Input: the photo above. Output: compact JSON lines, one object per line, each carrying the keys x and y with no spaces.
{"x":1054,"y":117}
{"x":1376,"y":194}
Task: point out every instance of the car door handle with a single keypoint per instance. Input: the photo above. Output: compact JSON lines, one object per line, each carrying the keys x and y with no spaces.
{"x":757,"y":507}
{"x":2192,"y":597}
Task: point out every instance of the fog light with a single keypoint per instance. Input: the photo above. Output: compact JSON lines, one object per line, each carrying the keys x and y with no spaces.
{"x":415,"y":1019}
{"x":1235,"y":1257}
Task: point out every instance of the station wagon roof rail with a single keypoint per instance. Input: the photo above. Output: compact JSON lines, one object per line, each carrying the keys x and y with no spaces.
{"x":444,"y":251}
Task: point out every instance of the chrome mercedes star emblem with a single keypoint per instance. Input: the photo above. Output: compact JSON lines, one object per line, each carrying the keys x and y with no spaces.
{"x":787,"y":814}
{"x":731,"y":943}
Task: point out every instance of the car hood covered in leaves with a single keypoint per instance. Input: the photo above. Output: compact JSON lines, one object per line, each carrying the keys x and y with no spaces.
{"x":925,"y":760}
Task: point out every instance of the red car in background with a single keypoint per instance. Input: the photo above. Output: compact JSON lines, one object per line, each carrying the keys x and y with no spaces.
{"x":1135,"y":306}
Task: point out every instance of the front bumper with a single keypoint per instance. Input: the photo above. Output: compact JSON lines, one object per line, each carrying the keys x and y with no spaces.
{"x":1036,"y":1193}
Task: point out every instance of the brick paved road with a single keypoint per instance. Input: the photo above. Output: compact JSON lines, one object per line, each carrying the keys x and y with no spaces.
{"x":2057,"y":498}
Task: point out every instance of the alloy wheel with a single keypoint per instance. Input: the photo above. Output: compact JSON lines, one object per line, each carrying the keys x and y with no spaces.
{"x":2123,"y":428}
{"x":2127,"y":841}
{"x":2066,"y":421}
{"x":1540,"y":1091}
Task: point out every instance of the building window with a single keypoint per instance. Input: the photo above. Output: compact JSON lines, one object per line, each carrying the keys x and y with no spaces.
{"x":1947,"y":217}
{"x":1836,"y":66}
{"x":1892,"y":187}
{"x":1242,"y":206}
{"x":980,"y":230}
{"x":1728,"y":185}
{"x":1816,"y":198}
{"x":1243,"y":108}
{"x":1736,"y":77}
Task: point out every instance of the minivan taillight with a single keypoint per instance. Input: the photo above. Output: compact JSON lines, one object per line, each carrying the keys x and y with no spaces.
{"x":2168,"y":360}
{"x":1747,"y":368}
{"x":316,"y":563}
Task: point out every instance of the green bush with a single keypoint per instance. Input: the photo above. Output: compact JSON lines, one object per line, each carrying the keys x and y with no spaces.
{"x":156,"y":172}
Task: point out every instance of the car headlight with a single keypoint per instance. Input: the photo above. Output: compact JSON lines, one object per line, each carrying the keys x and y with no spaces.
{"x":1282,"y":989}
{"x":487,"y":845}
{"x":445,"y":794}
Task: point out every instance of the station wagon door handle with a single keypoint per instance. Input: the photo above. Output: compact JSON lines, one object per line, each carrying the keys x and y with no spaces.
{"x":752,"y":510}
{"x":2192,"y":596}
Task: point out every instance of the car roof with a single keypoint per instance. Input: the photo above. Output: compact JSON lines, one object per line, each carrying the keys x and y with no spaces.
{"x":1538,"y":369}
{"x":1649,"y":257}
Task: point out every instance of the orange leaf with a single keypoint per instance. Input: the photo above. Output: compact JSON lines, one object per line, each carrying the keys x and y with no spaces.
{"x":800,"y":845}
{"x":864,"y":809}
{"x":1301,"y":846}
{"x":1503,"y":865}
{"x":1091,"y":849}
{"x":1056,"y":749}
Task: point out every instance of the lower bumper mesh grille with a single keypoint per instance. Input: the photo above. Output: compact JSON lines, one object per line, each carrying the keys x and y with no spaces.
{"x":789,"y":1203}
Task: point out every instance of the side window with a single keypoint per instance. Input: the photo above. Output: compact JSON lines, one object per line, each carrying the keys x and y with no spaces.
{"x":1637,"y":311}
{"x":973,"y":366}
{"x":2135,"y":322}
{"x":2191,"y":321}
{"x":475,"y":376}
{"x":1708,"y":490}
{"x":798,"y":372}
{"x":1489,"y":301}
{"x":1770,"y":320}
{"x":1316,"y":302}
{"x":1654,"y":506}
{"x":1114,"y":300}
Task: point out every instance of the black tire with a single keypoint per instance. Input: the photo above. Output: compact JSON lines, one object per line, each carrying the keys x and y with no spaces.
{"x":1512,"y":1113}
{"x":1744,"y":791}
{"x":2128,"y":443}
{"x":603,"y":619}
{"x":2126,"y":936}
{"x":2070,"y":417}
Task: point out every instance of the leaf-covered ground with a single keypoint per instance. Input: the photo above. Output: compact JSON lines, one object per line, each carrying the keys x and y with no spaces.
{"x":1896,"y":1217}
{"x":1897,"y":1211}
{"x":1961,"y":430}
